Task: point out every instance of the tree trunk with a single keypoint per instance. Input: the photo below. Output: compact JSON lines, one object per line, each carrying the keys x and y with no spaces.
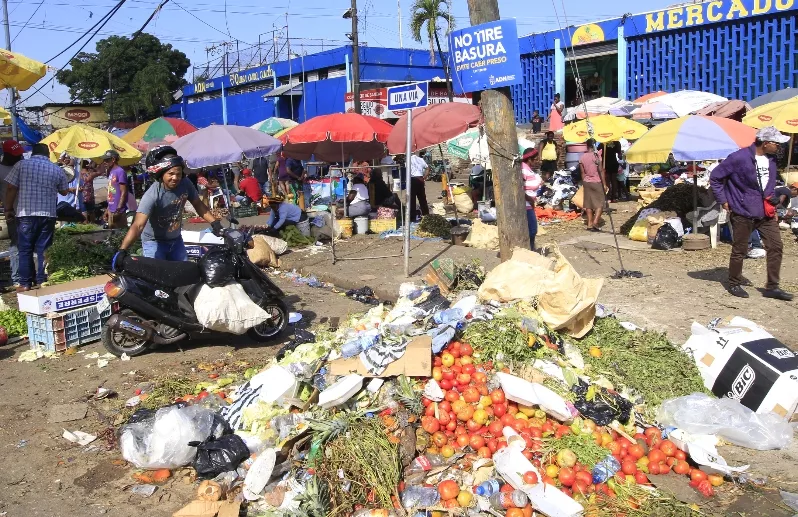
{"x":446,"y":71}
{"x":497,"y":108}
{"x":431,"y":46}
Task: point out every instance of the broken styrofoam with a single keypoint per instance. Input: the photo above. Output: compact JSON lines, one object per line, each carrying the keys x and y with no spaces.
{"x":533,"y":394}
{"x":79,"y":437}
{"x":259,"y":474}
{"x":276,"y":384}
{"x":341,"y":391}
{"x":433,"y":391}
{"x":702,"y":448}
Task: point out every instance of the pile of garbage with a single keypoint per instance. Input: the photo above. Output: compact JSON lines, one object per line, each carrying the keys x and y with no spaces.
{"x":477,"y":403}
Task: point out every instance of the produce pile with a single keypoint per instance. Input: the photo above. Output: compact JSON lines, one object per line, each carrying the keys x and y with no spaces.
{"x":72,"y":258}
{"x":677,"y":198}
{"x":513,"y":418}
{"x":434,"y":225}
{"x":14,"y":322}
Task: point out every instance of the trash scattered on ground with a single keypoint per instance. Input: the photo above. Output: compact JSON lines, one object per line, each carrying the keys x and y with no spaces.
{"x":79,"y":437}
{"x":143,"y":490}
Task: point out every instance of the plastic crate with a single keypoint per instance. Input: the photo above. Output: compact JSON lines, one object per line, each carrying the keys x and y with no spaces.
{"x":244,"y":211}
{"x":381,"y":225}
{"x":55,"y":332}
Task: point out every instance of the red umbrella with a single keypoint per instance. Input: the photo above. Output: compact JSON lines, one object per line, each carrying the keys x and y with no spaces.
{"x":338,"y":137}
{"x":434,"y":125}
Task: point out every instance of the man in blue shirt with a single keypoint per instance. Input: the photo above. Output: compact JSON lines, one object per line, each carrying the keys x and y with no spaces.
{"x":283,"y":214}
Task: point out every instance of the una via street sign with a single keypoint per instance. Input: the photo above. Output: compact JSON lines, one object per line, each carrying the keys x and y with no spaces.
{"x":408,"y":96}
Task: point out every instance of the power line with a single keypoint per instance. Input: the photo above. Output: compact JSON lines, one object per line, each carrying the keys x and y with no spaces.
{"x":102,"y":21}
{"x":28,"y":21}
{"x":208,"y":24}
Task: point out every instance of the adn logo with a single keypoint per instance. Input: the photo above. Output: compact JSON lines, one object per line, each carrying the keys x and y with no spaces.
{"x":88,"y":145}
{"x":781,"y":353}
{"x":77,"y":114}
{"x":743,"y":382}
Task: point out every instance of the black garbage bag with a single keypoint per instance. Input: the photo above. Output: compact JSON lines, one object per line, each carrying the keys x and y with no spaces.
{"x":300,"y":338}
{"x":666,"y":238}
{"x":603,"y":406}
{"x":218,"y":267}
{"x":215,"y":456}
{"x":363,"y":295}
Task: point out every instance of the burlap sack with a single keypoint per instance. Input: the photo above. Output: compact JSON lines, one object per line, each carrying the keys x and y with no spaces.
{"x":262,"y":255}
{"x":483,"y":236}
{"x":464,"y":203}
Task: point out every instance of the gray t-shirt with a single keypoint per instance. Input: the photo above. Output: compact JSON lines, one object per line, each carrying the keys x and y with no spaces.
{"x":165,"y":210}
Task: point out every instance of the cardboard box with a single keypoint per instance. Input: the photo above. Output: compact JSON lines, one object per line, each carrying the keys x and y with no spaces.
{"x":62,"y":297}
{"x":417,"y":362}
{"x":739,"y":359}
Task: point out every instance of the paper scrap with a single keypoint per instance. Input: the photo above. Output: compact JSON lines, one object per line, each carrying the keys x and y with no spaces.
{"x":79,"y":437}
{"x":143,"y":490}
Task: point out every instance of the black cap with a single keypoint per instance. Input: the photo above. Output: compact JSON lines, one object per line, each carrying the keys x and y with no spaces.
{"x":110,"y":154}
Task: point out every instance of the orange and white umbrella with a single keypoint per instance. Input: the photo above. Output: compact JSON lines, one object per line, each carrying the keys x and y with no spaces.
{"x":18,"y":71}
{"x":86,"y":142}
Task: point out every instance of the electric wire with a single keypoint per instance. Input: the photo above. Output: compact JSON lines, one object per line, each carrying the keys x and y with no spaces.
{"x":28,"y":21}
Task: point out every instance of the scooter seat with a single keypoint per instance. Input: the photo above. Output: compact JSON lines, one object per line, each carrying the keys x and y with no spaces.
{"x":162,"y":272}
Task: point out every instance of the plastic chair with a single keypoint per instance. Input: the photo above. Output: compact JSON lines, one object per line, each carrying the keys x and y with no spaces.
{"x":216,"y":194}
{"x":713,"y":230}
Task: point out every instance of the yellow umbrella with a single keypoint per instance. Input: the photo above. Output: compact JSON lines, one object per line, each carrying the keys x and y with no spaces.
{"x":86,"y":142}
{"x":605,"y":128}
{"x":5,"y":116}
{"x":18,"y":71}
{"x":783,"y":115}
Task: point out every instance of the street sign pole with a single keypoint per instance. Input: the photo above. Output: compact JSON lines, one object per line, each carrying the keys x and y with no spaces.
{"x":408,"y":217}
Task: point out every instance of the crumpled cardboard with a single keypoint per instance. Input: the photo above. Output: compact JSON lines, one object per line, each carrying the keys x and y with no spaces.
{"x":566,"y":301}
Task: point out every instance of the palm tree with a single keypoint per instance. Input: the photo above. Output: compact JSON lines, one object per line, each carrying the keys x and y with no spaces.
{"x":427,"y":12}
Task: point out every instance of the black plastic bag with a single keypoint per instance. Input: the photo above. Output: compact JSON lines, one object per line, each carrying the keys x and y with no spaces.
{"x":666,"y":238}
{"x":300,"y":338}
{"x":604,"y":406}
{"x":218,"y":267}
{"x":221,"y":455}
{"x":363,"y":295}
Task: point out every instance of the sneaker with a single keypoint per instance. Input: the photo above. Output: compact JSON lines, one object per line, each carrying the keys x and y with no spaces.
{"x":756,"y":253}
{"x":777,"y":294}
{"x":738,"y":291}
{"x":784,"y":226}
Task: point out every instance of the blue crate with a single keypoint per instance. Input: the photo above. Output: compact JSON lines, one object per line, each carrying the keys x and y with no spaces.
{"x":56,"y":332}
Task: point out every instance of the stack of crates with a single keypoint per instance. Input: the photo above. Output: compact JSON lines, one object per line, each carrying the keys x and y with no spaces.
{"x":57,"y":331}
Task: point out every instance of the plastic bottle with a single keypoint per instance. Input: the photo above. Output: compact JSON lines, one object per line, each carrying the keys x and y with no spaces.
{"x":605,"y":469}
{"x":419,"y":497}
{"x":447,"y":316}
{"x":505,"y":500}
{"x":488,"y":488}
{"x":426,"y":463}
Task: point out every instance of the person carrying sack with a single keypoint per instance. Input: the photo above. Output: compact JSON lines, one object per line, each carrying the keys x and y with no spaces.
{"x":744,"y":184}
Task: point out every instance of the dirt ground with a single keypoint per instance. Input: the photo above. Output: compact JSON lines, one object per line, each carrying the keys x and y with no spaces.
{"x":46,"y":476}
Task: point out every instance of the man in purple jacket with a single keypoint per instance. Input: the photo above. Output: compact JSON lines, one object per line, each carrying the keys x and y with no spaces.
{"x":744,"y":183}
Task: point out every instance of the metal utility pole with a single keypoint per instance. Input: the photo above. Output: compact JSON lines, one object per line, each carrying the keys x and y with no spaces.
{"x":497,"y":108}
{"x":11,"y":91}
{"x":355,"y":60}
{"x":399,"y":9}
{"x":110,"y":101}
{"x":446,"y":71}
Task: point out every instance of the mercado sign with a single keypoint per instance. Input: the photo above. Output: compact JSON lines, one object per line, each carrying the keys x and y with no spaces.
{"x":375,"y":102}
{"x":254,"y":75}
{"x":485,"y":56}
{"x":708,"y":12}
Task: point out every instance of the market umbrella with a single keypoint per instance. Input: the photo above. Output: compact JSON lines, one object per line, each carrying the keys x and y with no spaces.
{"x":689,"y":101}
{"x":219,"y":145}
{"x":459,"y":146}
{"x":648,"y":97}
{"x":159,"y":131}
{"x":691,"y":139}
{"x":87,"y":142}
{"x":603,"y":128}
{"x":654,"y":111}
{"x":18,"y":71}
{"x":779,"y":95}
{"x":5,"y":116}
{"x":274,"y":125}
{"x":434,"y":125}
{"x":337,"y":137}
{"x":733,"y":109}
{"x":783,"y":115}
{"x":479,"y":152}
{"x":600,"y":106}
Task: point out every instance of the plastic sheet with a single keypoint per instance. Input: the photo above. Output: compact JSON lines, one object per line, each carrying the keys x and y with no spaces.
{"x":727,"y":418}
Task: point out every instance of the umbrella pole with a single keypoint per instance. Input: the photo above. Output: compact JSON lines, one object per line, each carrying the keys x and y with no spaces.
{"x":622,"y":273}
{"x":789,"y":153}
{"x":695,"y":199}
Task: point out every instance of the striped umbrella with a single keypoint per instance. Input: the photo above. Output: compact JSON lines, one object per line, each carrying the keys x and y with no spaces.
{"x":273,"y":125}
{"x":783,"y":115}
{"x":159,"y":131}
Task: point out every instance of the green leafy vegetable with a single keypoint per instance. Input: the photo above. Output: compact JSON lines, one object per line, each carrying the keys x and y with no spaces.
{"x":14,"y":322}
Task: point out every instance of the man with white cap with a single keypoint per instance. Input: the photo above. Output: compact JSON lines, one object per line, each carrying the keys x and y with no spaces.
{"x":744,"y":183}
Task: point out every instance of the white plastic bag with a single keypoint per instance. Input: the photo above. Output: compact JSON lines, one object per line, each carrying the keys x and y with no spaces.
{"x":727,"y":418}
{"x":161,"y":442}
{"x":278,"y":246}
{"x":228,"y":309}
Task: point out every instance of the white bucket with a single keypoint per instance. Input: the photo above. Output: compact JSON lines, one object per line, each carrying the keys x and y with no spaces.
{"x":361,"y":225}
{"x":397,"y":185}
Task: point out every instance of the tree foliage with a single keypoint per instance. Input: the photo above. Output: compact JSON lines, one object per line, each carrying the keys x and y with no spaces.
{"x":427,"y":12}
{"x":143,"y":74}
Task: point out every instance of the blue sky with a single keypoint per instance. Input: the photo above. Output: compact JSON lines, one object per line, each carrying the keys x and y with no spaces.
{"x":42,"y":28}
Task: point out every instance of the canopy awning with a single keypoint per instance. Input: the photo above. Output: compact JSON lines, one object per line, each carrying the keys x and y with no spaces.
{"x":286,"y":89}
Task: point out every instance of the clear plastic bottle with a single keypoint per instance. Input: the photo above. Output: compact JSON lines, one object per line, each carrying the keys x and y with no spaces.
{"x":505,"y":500}
{"x":448,"y":316}
{"x":605,"y":469}
{"x":488,"y":488}
{"x":419,"y":497}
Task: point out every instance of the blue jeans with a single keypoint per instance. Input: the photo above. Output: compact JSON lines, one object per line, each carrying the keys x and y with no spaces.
{"x":173,"y":250}
{"x":532,"y":223}
{"x":34,"y":234}
{"x":755,"y":241}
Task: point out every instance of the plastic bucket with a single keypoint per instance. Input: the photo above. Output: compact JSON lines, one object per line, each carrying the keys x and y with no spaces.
{"x":304,"y":227}
{"x":572,"y":157}
{"x":576,"y":148}
{"x":361,"y":225}
{"x":459,"y":235}
{"x":346,"y":227}
{"x":397,"y":185}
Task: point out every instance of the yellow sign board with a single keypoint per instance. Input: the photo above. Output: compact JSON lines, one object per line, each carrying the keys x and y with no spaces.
{"x":590,"y":33}
{"x":66,"y":115}
{"x":689,"y":15}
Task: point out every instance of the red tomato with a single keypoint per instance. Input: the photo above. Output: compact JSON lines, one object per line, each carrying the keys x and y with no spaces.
{"x":495,"y":428}
{"x":562,"y":431}
{"x":437,"y":361}
{"x":656,"y":456}
{"x":473,"y":426}
{"x":470,"y":369}
{"x":446,"y":384}
{"x":493,"y":445}
{"x":463,"y":379}
{"x":650,"y":432}
{"x":479,"y":377}
{"x":564,"y":490}
{"x":653,"y":468}
{"x":497,"y":396}
{"x":680,"y":455}
{"x":640,"y":478}
{"x":499,"y":408}
{"x":629,"y":468}
{"x":462,"y":440}
{"x":448,"y":373}
{"x":430,"y":424}
{"x":585,"y":477}
{"x":566,"y":476}
{"x":519,"y":425}
{"x":444,"y":418}
{"x":614,"y":448}
{"x":429,"y":410}
{"x":471,"y":395}
{"x":465,"y":349}
{"x":580,"y":487}
{"x":485,"y":452}
{"x":476,"y":442}
{"x":528,"y":454}
{"x":512,"y":409}
{"x":448,"y":489}
{"x":439,"y":439}
{"x":698,"y":475}
{"x":681,"y":467}
{"x":664,"y":468}
{"x":668,"y":447}
{"x":531,"y":478}
{"x":460,"y":430}
{"x":636,"y":452}
{"x":535,"y":432}
{"x":452,"y":425}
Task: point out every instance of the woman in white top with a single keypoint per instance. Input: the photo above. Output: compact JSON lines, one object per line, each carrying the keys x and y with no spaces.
{"x":358,"y":198}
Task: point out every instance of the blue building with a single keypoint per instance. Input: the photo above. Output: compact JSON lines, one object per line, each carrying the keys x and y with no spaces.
{"x":300,"y":88}
{"x":738,"y":49}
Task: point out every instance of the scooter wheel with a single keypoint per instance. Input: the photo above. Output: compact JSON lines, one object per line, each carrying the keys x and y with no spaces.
{"x":119,"y":343}
{"x":273,"y":327}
